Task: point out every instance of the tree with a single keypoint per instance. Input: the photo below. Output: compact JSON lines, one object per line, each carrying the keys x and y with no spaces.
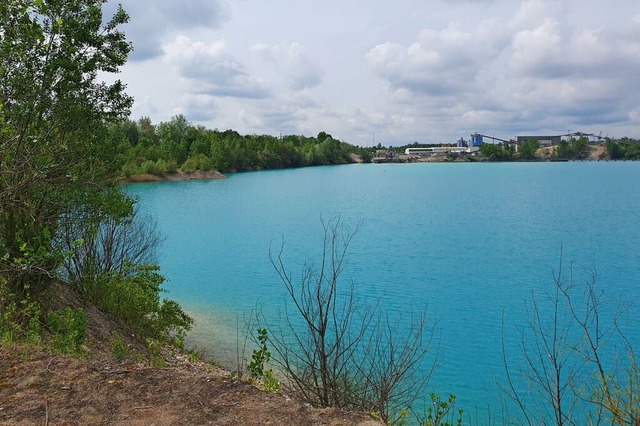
{"x":322,"y":136}
{"x":54,"y":112}
{"x":580,"y":147}
{"x":615,"y":150}
{"x":337,"y":352}
{"x":492,"y":151}
{"x":528,"y":149}
{"x":573,"y":149}
{"x":62,"y":216}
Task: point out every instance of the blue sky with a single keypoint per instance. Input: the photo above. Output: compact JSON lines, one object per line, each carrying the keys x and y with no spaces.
{"x":404,"y":71}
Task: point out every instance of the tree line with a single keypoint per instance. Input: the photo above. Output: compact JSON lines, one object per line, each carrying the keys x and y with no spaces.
{"x":180,"y":145}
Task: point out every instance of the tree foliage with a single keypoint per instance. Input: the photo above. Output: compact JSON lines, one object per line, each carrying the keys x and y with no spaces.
{"x":623,"y":149}
{"x":573,"y":149}
{"x":61,"y":215}
{"x":53,"y":112}
{"x":178,"y":144}
{"x":527,"y":150}
{"x":496,"y":152}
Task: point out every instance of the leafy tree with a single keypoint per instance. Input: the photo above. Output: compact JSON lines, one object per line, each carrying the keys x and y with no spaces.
{"x":200,"y":142}
{"x":323,"y":135}
{"x":615,"y":150}
{"x":632,"y":150}
{"x":528,"y":149}
{"x":147,"y":132}
{"x":564,"y":150}
{"x":62,"y":216}
{"x":573,"y":149}
{"x":492,"y":151}
{"x":221,"y":153}
{"x":53,"y":112}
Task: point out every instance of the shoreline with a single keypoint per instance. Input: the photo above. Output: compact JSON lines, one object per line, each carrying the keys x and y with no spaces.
{"x":403,"y":158}
{"x":175,"y":177}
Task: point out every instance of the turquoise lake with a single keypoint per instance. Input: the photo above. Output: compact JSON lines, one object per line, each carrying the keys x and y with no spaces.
{"x":471,"y":242}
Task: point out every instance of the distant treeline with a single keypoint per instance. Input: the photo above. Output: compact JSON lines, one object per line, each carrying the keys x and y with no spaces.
{"x":180,"y":145}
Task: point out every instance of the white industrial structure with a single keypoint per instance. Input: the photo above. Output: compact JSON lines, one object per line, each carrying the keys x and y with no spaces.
{"x":440,"y":150}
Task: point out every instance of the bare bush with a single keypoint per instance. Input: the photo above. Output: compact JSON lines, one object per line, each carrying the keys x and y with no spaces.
{"x":106,"y":246}
{"x":572,"y":365}
{"x":337,"y":352}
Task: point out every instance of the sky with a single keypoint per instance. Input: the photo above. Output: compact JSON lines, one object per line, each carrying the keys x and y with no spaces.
{"x":369,"y":72}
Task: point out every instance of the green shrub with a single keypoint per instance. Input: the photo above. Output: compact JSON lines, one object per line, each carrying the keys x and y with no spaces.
{"x":442,"y":412}
{"x":172,"y":166}
{"x":155,"y":354}
{"x":158,"y":167}
{"x":19,"y":317}
{"x":130,"y":169}
{"x":119,"y":348}
{"x":133,"y":295}
{"x":68,"y":328}
{"x":197,"y":162}
{"x":259,"y":359}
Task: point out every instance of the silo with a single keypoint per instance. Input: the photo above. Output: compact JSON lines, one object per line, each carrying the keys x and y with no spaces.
{"x":476,"y":139}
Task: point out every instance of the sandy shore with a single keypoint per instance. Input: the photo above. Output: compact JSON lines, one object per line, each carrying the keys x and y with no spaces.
{"x":177,"y":176}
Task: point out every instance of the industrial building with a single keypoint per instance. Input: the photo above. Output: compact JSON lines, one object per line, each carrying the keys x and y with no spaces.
{"x":544,"y":140}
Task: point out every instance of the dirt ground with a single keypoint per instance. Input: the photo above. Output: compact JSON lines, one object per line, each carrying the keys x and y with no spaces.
{"x":41,"y":388}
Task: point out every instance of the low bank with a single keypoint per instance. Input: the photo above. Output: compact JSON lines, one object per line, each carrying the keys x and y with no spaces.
{"x":176,"y":177}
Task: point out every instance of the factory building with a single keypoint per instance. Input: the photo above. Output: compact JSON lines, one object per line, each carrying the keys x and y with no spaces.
{"x":544,"y":140}
{"x":476,"y":139}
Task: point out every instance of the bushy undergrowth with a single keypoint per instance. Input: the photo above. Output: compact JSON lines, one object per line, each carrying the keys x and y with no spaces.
{"x":19,"y":316}
{"x":22,"y":319}
{"x":68,"y":329}
{"x":133,"y":295}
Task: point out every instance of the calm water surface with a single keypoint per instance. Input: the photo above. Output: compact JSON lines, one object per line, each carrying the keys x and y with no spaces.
{"x":471,"y":242}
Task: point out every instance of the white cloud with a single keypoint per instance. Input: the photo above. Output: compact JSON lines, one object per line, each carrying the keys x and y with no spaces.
{"x":439,"y":63}
{"x":199,"y":107}
{"x":535,"y":52}
{"x":153,"y":21}
{"x":209,"y":70}
{"x":292,"y":63}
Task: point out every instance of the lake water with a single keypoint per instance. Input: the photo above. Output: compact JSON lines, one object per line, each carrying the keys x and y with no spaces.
{"x":469,"y":241}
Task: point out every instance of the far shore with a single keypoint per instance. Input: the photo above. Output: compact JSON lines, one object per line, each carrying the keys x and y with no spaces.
{"x":597,"y":153}
{"x":176,"y":177}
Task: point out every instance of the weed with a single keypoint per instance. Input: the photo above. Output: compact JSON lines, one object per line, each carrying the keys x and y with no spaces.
{"x":119,"y":348}
{"x":68,"y":330}
{"x":194,"y":355}
{"x":441,"y":414}
{"x":19,"y":316}
{"x":256,"y":367}
{"x":260,"y":356}
{"x":154,"y":348}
